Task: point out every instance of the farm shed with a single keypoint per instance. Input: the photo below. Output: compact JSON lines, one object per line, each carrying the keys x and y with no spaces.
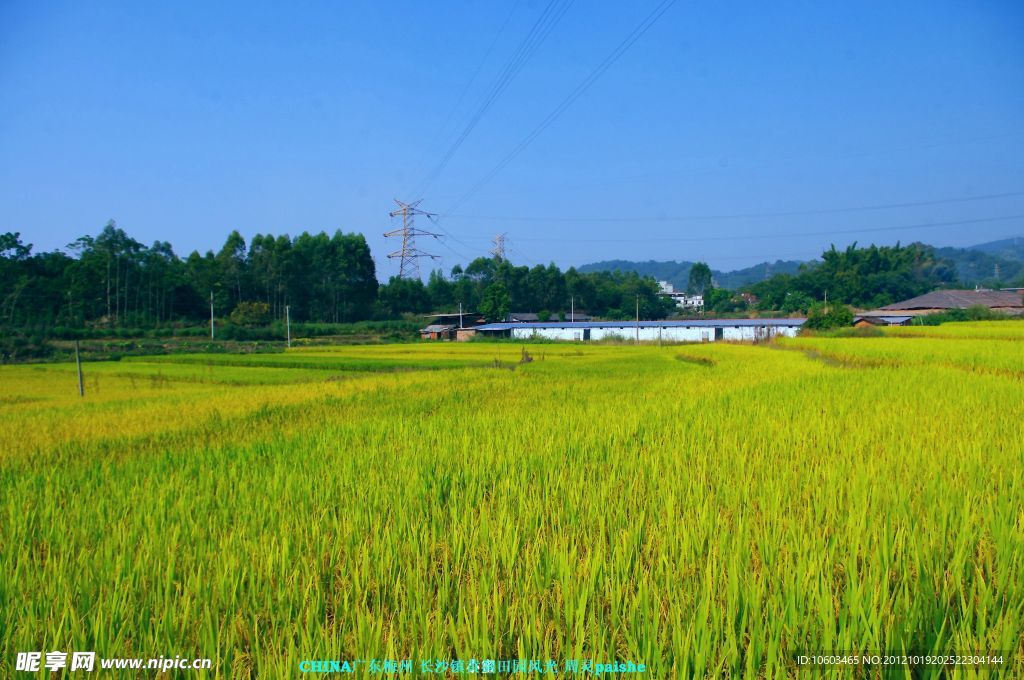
{"x":438,"y":331}
{"x":1007,"y":301}
{"x":701,"y":330}
{"x":464,"y":319}
{"x":522,"y":317}
{"x":451,"y":326}
{"x":881,"y":320}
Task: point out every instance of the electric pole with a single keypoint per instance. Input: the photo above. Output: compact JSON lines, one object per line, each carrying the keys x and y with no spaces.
{"x":78,"y":365}
{"x":498,"y":251}
{"x":288,"y":323}
{"x":638,"y":319}
{"x":408,"y":255}
{"x":211,"y":315}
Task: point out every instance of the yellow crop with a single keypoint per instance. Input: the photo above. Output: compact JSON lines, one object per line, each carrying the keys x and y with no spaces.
{"x":706,"y":510}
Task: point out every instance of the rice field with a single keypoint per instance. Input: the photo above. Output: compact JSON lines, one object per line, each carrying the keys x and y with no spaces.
{"x":989,"y":356}
{"x":706,"y":510}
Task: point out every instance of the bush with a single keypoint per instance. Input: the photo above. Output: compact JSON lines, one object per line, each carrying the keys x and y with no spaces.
{"x":823,"y":318}
{"x":250,"y":313}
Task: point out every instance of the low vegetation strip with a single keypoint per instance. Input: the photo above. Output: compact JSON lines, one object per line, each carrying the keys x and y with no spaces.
{"x":991,"y":356}
{"x":978,"y":330}
{"x":609,"y":502}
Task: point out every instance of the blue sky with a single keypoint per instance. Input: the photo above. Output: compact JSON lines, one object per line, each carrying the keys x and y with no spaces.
{"x":187,"y":120}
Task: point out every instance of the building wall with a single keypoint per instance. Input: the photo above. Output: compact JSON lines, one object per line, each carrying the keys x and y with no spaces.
{"x":548,"y":333}
{"x":748,"y":333}
{"x":663,"y":333}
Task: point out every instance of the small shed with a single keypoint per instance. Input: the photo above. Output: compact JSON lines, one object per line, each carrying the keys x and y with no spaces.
{"x":438,"y":331}
{"x":865,"y":320}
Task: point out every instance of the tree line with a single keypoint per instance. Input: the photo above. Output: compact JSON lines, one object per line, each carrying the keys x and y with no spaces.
{"x":868,"y":278}
{"x":113,"y":280}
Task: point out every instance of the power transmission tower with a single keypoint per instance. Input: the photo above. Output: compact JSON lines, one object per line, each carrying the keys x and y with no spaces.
{"x":409,"y":255}
{"x":499,"y":247}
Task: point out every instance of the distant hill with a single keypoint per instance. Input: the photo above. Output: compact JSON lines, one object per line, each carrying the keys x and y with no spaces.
{"x":678,"y":273}
{"x":1007,"y":248}
{"x":996,"y":262}
{"x":974,"y":265}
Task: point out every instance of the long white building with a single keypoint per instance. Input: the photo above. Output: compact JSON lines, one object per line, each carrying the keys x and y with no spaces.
{"x":698,"y":330}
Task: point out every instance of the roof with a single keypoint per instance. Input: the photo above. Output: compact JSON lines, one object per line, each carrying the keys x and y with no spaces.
{"x":693,"y":323}
{"x":523,"y":316}
{"x":438,"y":328}
{"x":884,"y":318}
{"x":960,"y":299}
{"x":451,"y":315}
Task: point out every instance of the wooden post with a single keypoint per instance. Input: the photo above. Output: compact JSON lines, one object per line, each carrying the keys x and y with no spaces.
{"x":78,"y":363}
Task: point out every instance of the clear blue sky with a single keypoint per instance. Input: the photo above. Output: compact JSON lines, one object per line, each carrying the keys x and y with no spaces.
{"x":186,"y":120}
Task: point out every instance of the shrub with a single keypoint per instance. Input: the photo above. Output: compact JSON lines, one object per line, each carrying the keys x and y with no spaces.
{"x":249,"y":313}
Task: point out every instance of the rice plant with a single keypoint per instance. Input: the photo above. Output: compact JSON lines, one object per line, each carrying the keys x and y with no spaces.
{"x":706,"y":510}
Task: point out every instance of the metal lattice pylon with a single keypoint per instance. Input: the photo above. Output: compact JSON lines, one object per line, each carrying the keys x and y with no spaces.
{"x":498,"y":251}
{"x":408,"y":255}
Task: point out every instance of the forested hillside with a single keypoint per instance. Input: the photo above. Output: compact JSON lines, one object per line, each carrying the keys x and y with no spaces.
{"x":994,"y":264}
{"x":678,"y":273}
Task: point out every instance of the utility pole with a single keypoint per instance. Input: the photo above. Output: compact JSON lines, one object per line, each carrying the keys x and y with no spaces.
{"x":211,"y":315}
{"x":498,"y":251}
{"x":78,"y":364}
{"x":288,"y":323}
{"x":408,"y":255}
{"x":460,"y":315}
{"x":638,"y":319}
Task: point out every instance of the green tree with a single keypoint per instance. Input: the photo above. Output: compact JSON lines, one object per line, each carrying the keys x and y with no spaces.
{"x":495,"y":304}
{"x":699,"y":280}
{"x":402,"y":295}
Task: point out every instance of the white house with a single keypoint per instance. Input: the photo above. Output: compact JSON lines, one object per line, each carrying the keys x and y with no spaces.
{"x":682,"y":300}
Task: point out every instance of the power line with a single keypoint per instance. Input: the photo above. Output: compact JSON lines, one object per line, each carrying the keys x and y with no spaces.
{"x":540,"y":30}
{"x":680,"y":239}
{"x":467,"y":86}
{"x":452,"y":250}
{"x":523,"y":256}
{"x":736,"y":216}
{"x":433,"y":218}
{"x":575,"y":94}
